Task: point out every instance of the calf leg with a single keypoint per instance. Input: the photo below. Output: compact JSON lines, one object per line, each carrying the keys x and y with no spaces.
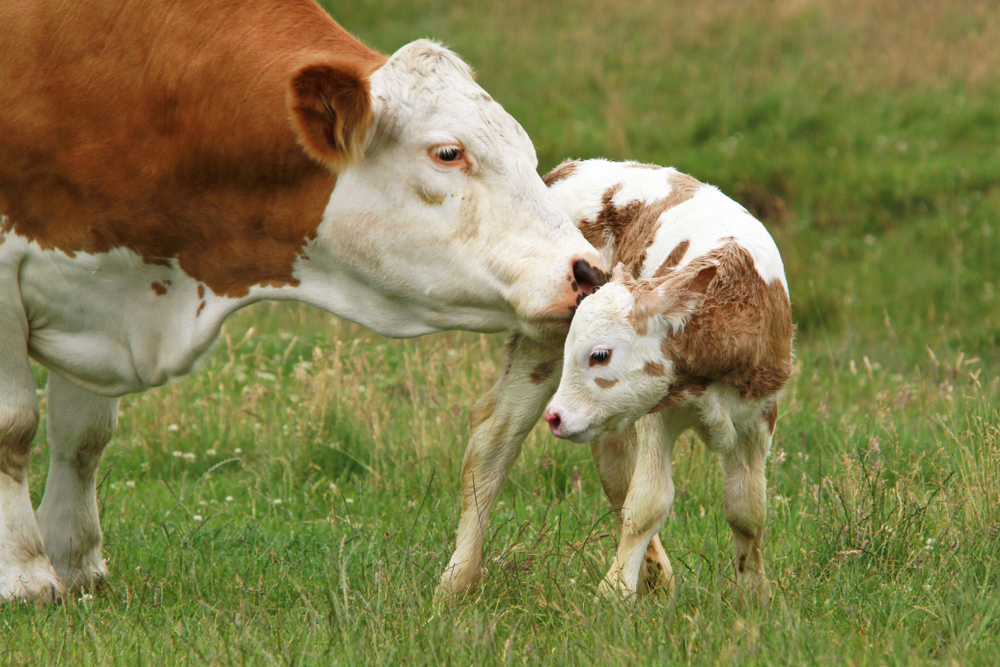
{"x":501,"y":420}
{"x":80,"y":424}
{"x":744,"y":499}
{"x":614,"y":456}
{"x":646,"y":504}
{"x":25,"y":570}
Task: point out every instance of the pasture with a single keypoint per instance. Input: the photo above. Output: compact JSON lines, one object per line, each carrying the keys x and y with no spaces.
{"x":294,"y":500}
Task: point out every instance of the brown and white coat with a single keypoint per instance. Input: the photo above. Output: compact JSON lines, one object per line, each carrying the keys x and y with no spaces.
{"x":701,"y":338}
{"x":164,"y":164}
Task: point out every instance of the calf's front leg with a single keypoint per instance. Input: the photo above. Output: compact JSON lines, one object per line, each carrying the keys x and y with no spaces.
{"x":500,"y":421}
{"x":642,"y":461}
{"x":615,"y":457}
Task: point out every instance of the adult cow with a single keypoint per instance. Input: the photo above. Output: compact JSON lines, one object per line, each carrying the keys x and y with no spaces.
{"x":165,"y":164}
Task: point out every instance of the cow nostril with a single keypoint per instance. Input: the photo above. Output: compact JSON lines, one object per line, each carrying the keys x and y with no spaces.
{"x":588,"y":277}
{"x":554,"y":420}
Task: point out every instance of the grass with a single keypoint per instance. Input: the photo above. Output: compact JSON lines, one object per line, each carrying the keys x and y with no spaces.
{"x":294,"y":500}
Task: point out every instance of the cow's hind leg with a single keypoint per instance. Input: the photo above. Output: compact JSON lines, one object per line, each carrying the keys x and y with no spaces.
{"x":25,"y":570}
{"x":80,"y":424}
{"x":501,"y":420}
{"x":614,"y":456}
{"x":744,"y":498}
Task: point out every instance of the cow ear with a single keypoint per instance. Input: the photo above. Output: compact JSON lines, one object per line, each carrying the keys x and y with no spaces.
{"x":331,"y":111}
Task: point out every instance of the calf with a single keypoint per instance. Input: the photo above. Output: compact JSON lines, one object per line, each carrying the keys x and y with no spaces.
{"x":701,"y":338}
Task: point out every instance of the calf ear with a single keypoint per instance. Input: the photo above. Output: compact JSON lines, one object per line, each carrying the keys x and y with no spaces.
{"x":678,"y":296}
{"x":331,"y":111}
{"x":685,"y":294}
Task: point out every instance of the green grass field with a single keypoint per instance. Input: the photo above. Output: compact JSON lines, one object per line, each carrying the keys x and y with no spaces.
{"x":294,"y":500}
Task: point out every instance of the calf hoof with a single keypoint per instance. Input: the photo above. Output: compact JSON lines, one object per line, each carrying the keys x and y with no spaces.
{"x":456,"y":582}
{"x":753,"y":588}
{"x":656,"y":576}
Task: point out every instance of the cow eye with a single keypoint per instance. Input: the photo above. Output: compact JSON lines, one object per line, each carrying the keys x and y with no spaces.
{"x":447,"y":154}
{"x":600,"y":357}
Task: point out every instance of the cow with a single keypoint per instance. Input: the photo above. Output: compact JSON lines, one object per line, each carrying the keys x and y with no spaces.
{"x":701,"y":338}
{"x":165,"y":164}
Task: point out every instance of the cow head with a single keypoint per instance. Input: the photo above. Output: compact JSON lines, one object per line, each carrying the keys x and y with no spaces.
{"x":616,"y":363}
{"x":439,"y":219}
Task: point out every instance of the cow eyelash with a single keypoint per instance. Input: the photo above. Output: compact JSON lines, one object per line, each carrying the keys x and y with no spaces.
{"x":600,"y":357}
{"x":448,"y":153}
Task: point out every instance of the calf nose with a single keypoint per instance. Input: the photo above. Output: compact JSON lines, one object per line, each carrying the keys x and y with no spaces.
{"x":554,"y":420}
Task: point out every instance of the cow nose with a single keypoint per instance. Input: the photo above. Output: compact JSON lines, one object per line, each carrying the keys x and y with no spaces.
{"x":554,"y":420}
{"x":588,"y":277}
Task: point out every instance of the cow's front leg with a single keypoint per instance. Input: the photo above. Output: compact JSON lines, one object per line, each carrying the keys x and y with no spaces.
{"x":744,"y":500}
{"x":80,"y":424}
{"x":25,"y":570}
{"x":500,"y":422}
{"x":614,"y":457}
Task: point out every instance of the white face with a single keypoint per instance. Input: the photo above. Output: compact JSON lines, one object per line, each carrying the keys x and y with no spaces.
{"x":611,"y":375}
{"x":448,"y":216}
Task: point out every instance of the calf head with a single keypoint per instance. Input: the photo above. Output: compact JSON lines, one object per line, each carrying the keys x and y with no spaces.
{"x":616,"y":365}
{"x":444,"y":218}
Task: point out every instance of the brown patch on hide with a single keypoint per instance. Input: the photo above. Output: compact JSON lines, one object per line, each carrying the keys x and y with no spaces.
{"x":201,"y":291}
{"x":542,"y":372}
{"x":605,"y":384}
{"x":772,"y":416}
{"x":673,"y":259}
{"x":680,"y":393}
{"x":643,"y":165}
{"x":654,"y":369}
{"x":741,"y":336}
{"x":201,"y":307}
{"x":633,"y":226}
{"x":563,"y":171}
{"x":196,"y":163}
{"x":158,"y":288}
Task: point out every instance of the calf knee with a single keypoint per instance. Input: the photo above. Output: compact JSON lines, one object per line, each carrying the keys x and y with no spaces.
{"x":647,"y":515}
{"x":18,"y":425}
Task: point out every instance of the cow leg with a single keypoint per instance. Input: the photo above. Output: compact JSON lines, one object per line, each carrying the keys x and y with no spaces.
{"x":25,"y":570}
{"x":500,"y":421}
{"x":744,"y":499}
{"x":646,"y":504}
{"x":614,"y":457}
{"x":80,"y":424}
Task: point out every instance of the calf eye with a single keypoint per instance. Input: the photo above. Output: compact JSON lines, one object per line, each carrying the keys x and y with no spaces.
{"x":600,"y":357}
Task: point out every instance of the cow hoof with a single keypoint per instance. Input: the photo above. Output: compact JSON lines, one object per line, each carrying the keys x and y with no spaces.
{"x":87,"y":580}
{"x":35,"y":582}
